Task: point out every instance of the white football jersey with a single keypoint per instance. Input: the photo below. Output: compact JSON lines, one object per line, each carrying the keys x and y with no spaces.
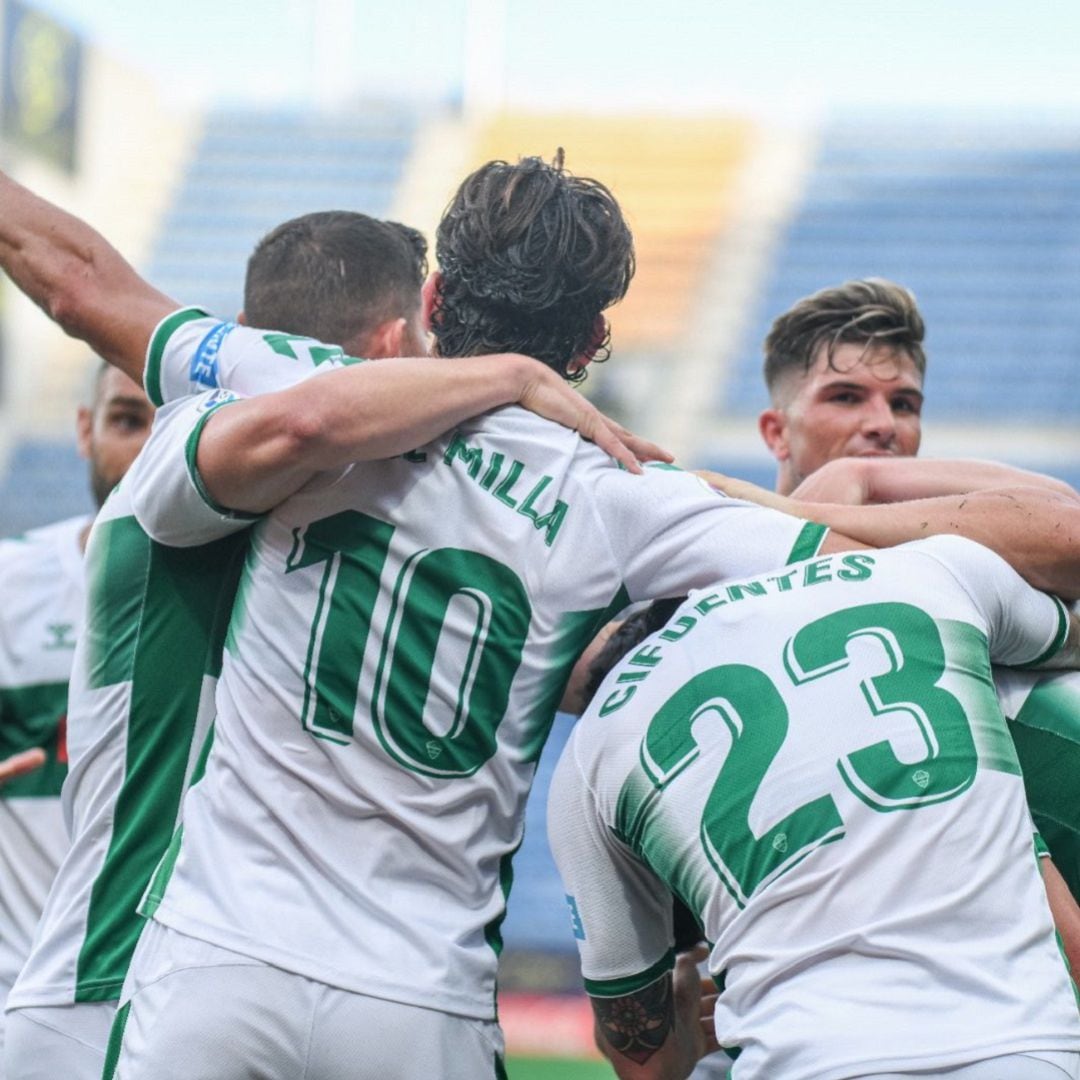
{"x":42,"y":585}
{"x":140,"y":709}
{"x":814,"y":761}
{"x":1043,"y":710}
{"x":402,"y":636}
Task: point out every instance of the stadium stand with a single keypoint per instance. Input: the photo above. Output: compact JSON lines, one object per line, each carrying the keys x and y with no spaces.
{"x":983,"y":226}
{"x":674,"y":179}
{"x":253,"y":170}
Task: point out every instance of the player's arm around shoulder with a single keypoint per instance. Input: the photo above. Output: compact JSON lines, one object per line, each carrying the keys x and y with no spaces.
{"x":661,"y":1031}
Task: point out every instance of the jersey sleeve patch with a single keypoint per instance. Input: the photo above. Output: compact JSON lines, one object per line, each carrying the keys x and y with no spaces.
{"x":204,"y":362}
{"x":159,"y":341}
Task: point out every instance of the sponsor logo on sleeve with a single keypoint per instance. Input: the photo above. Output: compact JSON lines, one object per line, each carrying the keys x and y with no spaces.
{"x":575,"y":918}
{"x":204,"y":364}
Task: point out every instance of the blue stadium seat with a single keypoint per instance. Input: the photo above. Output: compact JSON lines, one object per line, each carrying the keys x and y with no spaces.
{"x":983,"y":226}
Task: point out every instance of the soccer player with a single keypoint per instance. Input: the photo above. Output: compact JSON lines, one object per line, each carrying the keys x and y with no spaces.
{"x":42,"y":583}
{"x":404,"y":632}
{"x":153,"y":609}
{"x":815,"y":762}
{"x":844,"y":370}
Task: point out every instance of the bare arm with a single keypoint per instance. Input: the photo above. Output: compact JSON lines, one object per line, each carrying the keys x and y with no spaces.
{"x":1035,"y":530}
{"x":80,"y":280}
{"x":1066,"y":913}
{"x":658,"y":1033}
{"x":19,"y":764}
{"x":257,"y":452}
{"x":859,"y":481}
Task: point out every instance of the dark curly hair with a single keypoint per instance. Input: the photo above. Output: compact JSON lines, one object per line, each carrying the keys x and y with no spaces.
{"x":530,"y":256}
{"x":334,"y":275}
{"x":868,"y":311}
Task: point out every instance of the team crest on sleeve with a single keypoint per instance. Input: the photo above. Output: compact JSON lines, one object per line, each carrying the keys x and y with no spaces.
{"x":214,"y":400}
{"x":204,"y":364}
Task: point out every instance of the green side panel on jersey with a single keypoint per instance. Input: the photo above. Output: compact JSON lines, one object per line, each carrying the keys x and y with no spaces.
{"x":808,"y":542}
{"x":609,"y":988}
{"x":968,"y":652}
{"x":159,"y":342}
{"x":1046,"y":732}
{"x":32,"y":716}
{"x":187,"y":595}
{"x":576,"y":630}
{"x":117,"y":565}
{"x":116,"y":1042}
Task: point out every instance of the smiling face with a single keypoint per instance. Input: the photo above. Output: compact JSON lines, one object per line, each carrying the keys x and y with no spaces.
{"x":862,"y":403}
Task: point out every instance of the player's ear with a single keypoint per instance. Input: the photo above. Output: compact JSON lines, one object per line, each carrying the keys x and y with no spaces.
{"x":241,"y":318}
{"x":772,"y":424}
{"x":386,"y":340}
{"x":84,"y":425}
{"x":429,"y":296}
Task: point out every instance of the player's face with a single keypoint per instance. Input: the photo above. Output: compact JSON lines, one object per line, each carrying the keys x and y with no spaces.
{"x":861,"y":405}
{"x":113,"y":431}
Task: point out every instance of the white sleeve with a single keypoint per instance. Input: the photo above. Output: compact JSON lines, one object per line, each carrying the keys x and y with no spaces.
{"x":191,"y":352}
{"x":670,"y":532}
{"x":167,"y":494}
{"x":620,"y":912}
{"x":1025,"y":627}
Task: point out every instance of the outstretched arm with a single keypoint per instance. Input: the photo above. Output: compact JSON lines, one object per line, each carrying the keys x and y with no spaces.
{"x":78,"y":278}
{"x":257,"y":452}
{"x":859,"y":481}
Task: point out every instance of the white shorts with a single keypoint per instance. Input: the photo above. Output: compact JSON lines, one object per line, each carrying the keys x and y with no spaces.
{"x":1042,"y":1065}
{"x":49,"y":1041}
{"x":194,"y":1011}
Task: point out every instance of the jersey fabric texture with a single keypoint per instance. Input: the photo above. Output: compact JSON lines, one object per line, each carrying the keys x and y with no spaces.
{"x":42,"y":585}
{"x":135,"y":735}
{"x":267,"y":1022}
{"x":401,"y":638}
{"x":1044,"y":720}
{"x":822,"y":773}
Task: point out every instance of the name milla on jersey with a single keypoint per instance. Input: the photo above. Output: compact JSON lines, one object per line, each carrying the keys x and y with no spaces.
{"x":816,"y":572}
{"x":498,"y":477}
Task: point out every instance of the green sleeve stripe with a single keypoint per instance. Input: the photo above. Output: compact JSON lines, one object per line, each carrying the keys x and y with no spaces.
{"x":1059,"y":638}
{"x":190,"y":451}
{"x":808,"y":542}
{"x":1041,"y":850}
{"x":609,"y":988}
{"x":159,"y":339}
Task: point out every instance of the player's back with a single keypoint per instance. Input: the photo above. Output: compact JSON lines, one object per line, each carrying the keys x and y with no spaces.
{"x":815,"y":761}
{"x":402,"y":638}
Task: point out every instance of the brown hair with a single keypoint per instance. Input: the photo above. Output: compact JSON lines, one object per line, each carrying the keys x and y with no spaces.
{"x":872,"y":311}
{"x":530,"y":255}
{"x":333,"y":275}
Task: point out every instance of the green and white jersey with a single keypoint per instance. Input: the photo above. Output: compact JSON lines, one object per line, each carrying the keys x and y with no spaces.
{"x":814,"y":760}
{"x":1044,"y":720}
{"x":42,"y":585}
{"x":401,"y":639}
{"x":141,"y":707}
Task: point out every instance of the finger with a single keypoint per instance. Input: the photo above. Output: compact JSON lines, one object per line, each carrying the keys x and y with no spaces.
{"x":644,"y":449}
{"x":21,"y":763}
{"x":611,"y":444}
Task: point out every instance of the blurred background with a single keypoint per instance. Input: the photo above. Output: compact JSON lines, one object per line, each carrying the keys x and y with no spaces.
{"x":760,"y":150}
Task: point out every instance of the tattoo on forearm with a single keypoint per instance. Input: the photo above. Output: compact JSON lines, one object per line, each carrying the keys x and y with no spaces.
{"x":636,"y":1025}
